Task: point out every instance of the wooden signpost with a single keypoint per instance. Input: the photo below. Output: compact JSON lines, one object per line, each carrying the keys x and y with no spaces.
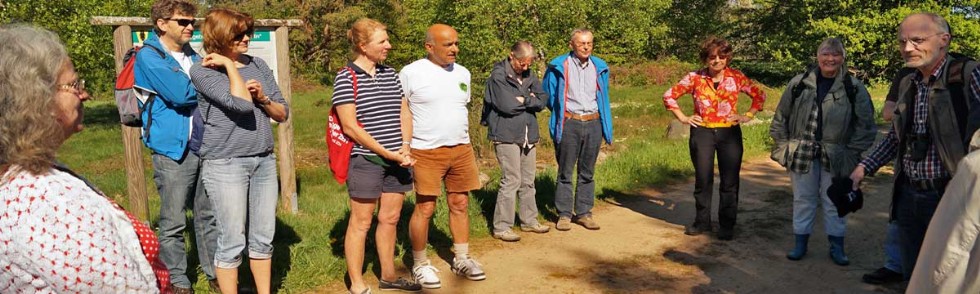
{"x":276,"y":55}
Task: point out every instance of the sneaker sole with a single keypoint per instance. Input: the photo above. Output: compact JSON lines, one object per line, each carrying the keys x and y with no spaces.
{"x":501,"y":238}
{"x":477,"y":278}
{"x":431,"y":286}
{"x":535,"y":231}
{"x":399,"y":289}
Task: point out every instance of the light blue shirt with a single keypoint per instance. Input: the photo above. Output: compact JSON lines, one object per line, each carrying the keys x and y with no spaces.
{"x":582,"y":86}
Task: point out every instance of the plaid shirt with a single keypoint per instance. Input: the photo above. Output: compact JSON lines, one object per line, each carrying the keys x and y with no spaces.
{"x":931,"y":167}
{"x":809,"y":147}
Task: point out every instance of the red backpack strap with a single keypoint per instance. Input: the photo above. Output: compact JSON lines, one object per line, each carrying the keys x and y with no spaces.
{"x":353,"y":81}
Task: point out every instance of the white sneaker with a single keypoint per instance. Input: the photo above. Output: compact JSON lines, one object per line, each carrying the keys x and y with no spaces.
{"x":469,"y":268}
{"x":425,"y":275}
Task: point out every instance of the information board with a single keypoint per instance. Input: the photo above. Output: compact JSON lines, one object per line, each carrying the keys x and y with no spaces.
{"x":262,"y":45}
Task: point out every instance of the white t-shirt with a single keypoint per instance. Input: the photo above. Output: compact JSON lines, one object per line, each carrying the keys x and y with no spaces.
{"x":184,"y":61}
{"x":437,"y":97}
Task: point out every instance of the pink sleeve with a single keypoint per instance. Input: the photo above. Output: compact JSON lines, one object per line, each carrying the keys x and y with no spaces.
{"x":685,"y":86}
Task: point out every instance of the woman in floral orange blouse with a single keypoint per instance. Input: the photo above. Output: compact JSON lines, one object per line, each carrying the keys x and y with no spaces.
{"x":715,"y":129}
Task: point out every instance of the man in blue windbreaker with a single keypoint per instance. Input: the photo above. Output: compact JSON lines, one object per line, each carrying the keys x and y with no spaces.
{"x":578,"y":88}
{"x":172,"y":129}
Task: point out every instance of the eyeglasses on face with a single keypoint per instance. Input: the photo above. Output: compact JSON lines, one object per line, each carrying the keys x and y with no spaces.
{"x":183,"y":22}
{"x":77,"y":86}
{"x":916,"y":41}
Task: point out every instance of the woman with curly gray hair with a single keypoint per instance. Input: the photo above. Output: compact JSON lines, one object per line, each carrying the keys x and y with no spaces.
{"x":59,"y":233}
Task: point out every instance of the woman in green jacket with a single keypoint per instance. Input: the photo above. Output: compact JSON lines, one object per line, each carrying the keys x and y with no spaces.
{"x":823,"y":123}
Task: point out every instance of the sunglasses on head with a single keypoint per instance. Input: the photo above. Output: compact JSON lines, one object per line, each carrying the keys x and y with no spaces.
{"x":182,"y":21}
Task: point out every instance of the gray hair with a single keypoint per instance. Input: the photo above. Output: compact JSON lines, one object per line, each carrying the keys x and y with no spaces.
{"x":571,"y":38}
{"x":31,"y":59}
{"x":833,"y":44}
{"x":522,"y":49}
{"x":941,"y":24}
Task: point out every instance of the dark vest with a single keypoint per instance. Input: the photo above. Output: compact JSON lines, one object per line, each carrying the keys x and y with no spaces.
{"x":950,"y":120}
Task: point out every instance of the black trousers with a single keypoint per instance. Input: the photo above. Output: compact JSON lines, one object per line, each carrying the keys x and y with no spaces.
{"x":704,"y":144}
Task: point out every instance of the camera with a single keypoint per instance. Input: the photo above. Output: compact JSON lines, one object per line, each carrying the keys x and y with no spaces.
{"x":918,"y":146}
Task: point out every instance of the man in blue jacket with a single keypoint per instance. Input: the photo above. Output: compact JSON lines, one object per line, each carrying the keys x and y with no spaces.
{"x":172,"y":129}
{"x":577,"y":84}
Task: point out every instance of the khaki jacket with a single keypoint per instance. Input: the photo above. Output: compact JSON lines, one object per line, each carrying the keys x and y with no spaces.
{"x":845,"y":136}
{"x":949,"y":261}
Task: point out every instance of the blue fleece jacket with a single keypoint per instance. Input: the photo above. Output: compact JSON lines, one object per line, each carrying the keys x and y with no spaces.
{"x":167,"y":116}
{"x":554,"y":82}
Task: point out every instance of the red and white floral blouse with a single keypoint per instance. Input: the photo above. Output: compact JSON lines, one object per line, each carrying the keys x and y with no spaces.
{"x":715,"y":105}
{"x":58,"y":235}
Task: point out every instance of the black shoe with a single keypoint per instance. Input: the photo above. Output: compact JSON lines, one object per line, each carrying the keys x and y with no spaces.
{"x":726,"y":234}
{"x":399,"y":284}
{"x":695,"y":230}
{"x":882,"y":276}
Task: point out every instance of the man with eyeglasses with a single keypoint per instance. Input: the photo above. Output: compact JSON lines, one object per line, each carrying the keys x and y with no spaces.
{"x":173,"y":129}
{"x":577,"y":84}
{"x":938,"y":110}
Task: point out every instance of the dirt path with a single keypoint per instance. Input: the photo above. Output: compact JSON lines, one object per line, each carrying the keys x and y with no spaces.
{"x":641,"y":248}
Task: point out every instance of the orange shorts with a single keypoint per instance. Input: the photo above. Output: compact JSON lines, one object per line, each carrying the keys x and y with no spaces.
{"x":456,"y":165}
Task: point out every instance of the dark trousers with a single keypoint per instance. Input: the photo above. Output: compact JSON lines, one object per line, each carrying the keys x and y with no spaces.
{"x":727,"y":143}
{"x":913,"y":211}
{"x":579,"y":146}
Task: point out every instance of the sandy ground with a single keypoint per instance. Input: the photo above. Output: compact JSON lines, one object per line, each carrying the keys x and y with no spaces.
{"x":641,"y":247}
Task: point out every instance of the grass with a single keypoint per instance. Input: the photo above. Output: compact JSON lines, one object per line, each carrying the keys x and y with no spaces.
{"x":308,"y":244}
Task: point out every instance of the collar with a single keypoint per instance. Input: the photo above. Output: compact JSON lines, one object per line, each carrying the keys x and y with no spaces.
{"x":936,"y":72}
{"x":578,"y":62}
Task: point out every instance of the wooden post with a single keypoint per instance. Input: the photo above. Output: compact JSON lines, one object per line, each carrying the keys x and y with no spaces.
{"x":136,"y":182}
{"x":287,"y":170}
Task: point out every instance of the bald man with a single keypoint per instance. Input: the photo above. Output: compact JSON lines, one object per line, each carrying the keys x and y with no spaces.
{"x":932,"y":128}
{"x":438,"y":90}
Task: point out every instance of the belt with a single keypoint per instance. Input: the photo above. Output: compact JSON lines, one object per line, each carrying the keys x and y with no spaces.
{"x":929,"y":184}
{"x":582,"y":117}
{"x":717,"y":125}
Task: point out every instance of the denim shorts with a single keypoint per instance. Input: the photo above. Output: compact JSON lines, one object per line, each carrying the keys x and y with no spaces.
{"x":243,"y":192}
{"x":367,"y":180}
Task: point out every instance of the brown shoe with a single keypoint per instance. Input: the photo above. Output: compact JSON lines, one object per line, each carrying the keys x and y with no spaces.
{"x":213,"y":285}
{"x":587,"y":222}
{"x":564,"y":224}
{"x":181,"y":290}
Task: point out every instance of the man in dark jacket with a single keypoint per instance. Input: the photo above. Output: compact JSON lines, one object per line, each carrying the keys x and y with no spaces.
{"x":512,"y":99}
{"x":938,"y":109}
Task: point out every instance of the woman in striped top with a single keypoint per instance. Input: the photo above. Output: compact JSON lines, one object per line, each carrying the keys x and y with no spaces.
{"x":237,"y":97}
{"x":374,"y":113}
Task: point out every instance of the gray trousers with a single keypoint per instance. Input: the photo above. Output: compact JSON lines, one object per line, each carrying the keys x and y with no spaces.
{"x":516,"y":182}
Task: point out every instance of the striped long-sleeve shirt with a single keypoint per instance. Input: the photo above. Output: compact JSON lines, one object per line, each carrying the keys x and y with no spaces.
{"x":235,"y":127}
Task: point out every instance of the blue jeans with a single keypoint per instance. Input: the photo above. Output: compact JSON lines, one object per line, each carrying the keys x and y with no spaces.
{"x":179,"y":182}
{"x":579,"y":146}
{"x":893,"y":248}
{"x":244,"y":191}
{"x":810,"y":191}
{"x":913,"y":211}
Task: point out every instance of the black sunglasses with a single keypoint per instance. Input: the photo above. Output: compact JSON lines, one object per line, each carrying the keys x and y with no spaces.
{"x":183,"y":21}
{"x":249,"y":33}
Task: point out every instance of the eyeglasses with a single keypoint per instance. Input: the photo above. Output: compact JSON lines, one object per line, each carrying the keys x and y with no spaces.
{"x":183,"y":21}
{"x":77,"y":86}
{"x":916,"y":41}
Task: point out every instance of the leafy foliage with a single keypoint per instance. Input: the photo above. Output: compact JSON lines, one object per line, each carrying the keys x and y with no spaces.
{"x":773,"y":38}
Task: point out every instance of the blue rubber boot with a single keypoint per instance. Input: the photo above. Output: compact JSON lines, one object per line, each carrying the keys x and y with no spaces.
{"x":837,"y":250}
{"x":800,"y":249}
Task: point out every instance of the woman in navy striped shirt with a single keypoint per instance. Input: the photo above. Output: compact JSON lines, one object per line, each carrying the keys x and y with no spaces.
{"x":368,"y":92}
{"x":238,"y":95}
